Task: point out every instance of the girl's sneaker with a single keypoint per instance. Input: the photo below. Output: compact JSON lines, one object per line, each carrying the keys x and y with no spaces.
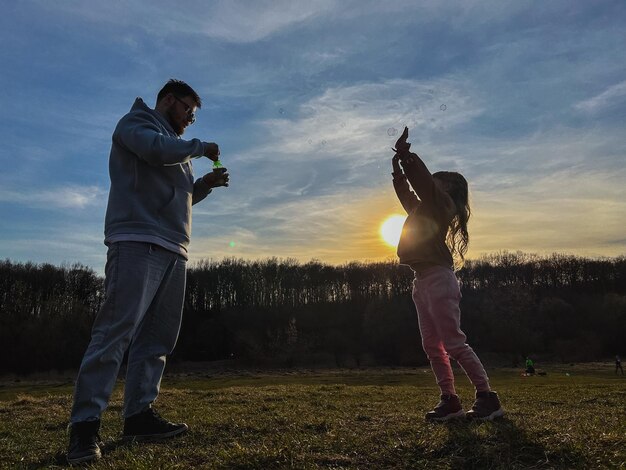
{"x":486,"y":407}
{"x":448,"y":408}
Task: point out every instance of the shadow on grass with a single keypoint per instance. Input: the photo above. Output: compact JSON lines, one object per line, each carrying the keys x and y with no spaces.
{"x":499,"y":444}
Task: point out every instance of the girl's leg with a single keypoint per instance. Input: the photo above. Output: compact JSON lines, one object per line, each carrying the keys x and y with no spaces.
{"x":444,"y":295}
{"x":431,"y":341}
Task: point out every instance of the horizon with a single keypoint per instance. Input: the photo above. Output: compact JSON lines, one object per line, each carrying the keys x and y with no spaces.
{"x":305,"y":101}
{"x":197,"y":264}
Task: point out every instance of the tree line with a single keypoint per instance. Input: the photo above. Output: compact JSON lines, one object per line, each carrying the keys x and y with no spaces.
{"x":280,"y":312}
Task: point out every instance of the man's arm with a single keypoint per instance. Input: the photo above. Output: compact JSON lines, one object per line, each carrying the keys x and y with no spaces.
{"x":203,"y":186}
{"x":143,"y":137}
{"x":200,"y":190}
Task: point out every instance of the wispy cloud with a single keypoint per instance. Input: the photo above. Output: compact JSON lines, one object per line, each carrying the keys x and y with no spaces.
{"x":613,"y":96}
{"x":238,"y":21}
{"x":334,"y":228}
{"x":360,"y":122}
{"x":63,"y":197}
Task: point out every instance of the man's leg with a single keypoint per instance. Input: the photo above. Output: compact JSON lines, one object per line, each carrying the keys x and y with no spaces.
{"x":132,"y":282}
{"x":129,"y":289}
{"x":156,"y":336}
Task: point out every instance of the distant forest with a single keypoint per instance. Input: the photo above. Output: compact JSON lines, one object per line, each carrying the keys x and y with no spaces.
{"x":282,"y":313}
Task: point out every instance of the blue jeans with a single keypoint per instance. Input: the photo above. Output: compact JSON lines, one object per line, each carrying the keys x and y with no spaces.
{"x":141,"y":313}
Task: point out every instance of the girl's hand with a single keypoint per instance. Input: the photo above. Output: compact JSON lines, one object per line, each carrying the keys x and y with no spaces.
{"x":402,"y":146}
{"x":409,"y":159}
{"x":395,"y":163}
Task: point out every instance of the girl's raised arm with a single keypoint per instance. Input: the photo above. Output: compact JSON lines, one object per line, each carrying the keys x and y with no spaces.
{"x":407,"y":198}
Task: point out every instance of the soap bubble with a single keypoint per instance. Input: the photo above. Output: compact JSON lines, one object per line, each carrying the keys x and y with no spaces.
{"x":323,"y":142}
{"x":232,"y":244}
{"x":310,"y":141}
{"x":392,"y":131}
{"x":343,"y":124}
{"x":443,"y":107}
{"x":431,"y":92}
{"x":281,"y":111}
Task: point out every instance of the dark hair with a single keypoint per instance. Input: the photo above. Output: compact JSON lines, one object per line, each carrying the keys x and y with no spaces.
{"x":457,"y":237}
{"x":179,"y":89}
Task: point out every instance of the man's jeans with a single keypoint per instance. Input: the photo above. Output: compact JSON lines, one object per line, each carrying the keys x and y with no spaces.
{"x":437,"y":295}
{"x":144,"y":293}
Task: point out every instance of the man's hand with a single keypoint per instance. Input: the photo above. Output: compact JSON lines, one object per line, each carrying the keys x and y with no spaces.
{"x":216,"y":178}
{"x":211,"y":150}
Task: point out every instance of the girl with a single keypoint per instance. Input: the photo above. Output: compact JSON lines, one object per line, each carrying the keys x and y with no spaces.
{"x":434,"y":236}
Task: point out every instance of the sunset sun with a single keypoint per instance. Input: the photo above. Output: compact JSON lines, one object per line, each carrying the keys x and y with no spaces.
{"x":391,"y":229}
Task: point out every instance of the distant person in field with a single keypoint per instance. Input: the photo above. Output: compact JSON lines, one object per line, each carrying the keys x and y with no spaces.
{"x":618,"y":365}
{"x":434,"y":236}
{"x":147,"y":229}
{"x":530,"y":366}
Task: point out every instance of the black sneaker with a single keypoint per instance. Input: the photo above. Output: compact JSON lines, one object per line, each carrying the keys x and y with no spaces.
{"x":448,"y":408}
{"x":149,"y":426}
{"x":84,"y":442}
{"x":486,"y":407}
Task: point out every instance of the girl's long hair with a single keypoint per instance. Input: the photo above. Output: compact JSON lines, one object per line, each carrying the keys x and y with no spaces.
{"x":457,"y":237}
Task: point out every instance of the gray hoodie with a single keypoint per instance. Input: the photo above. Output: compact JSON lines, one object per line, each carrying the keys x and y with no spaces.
{"x":152,"y":185}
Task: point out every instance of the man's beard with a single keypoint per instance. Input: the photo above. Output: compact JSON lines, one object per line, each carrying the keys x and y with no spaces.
{"x":179,"y":129}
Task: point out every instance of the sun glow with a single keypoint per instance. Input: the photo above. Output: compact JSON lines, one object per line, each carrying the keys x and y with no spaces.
{"x":391,"y":229}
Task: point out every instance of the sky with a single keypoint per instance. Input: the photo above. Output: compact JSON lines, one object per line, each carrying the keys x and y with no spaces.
{"x":306,"y":99}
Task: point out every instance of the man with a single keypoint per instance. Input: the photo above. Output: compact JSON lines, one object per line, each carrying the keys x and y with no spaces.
{"x":147,"y":229}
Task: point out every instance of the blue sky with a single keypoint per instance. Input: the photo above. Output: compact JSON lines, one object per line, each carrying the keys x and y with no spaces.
{"x":526,"y":99}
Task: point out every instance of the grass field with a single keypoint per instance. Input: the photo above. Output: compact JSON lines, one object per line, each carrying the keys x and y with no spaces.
{"x":573,"y":417}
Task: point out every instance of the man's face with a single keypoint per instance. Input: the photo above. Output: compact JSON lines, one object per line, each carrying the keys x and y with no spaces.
{"x":180,"y":113}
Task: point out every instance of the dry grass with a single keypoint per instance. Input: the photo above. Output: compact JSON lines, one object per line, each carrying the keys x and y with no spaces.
{"x":337,"y":419}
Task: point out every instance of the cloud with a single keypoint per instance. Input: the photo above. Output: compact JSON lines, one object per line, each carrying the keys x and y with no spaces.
{"x":339,"y":141}
{"x":246,"y":21}
{"x":333,"y":228}
{"x":360,"y":122}
{"x":237,"y":21}
{"x":578,"y":209}
{"x":67,"y":243}
{"x":65,"y":197}
{"x":613,"y":96}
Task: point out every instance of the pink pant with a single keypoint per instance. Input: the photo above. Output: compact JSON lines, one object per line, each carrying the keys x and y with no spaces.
{"x":436,"y":295}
